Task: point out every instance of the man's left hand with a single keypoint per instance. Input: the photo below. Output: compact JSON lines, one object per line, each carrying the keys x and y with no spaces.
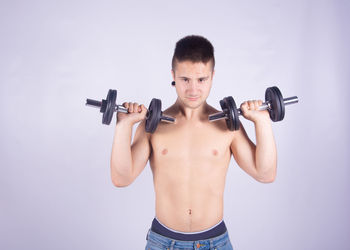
{"x":250,"y":111}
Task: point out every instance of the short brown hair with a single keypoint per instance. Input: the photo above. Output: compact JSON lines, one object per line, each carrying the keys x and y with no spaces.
{"x":195,"y":49}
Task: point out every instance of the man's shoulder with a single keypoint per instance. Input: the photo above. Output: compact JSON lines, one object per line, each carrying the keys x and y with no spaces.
{"x":211,"y":109}
{"x":171,"y":110}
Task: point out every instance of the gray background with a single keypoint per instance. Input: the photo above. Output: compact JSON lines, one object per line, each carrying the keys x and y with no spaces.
{"x":55,"y":187}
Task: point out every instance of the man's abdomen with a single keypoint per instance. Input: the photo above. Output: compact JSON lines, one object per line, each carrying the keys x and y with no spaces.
{"x":190,"y":203}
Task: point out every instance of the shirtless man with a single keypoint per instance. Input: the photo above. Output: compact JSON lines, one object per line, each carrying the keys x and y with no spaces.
{"x":189,"y":159}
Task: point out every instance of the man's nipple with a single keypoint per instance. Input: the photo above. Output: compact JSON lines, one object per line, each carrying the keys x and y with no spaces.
{"x":164,"y":151}
{"x":215,"y":152}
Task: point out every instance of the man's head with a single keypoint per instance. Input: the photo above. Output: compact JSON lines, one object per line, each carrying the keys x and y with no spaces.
{"x":193,"y":69}
{"x":194,"y":49}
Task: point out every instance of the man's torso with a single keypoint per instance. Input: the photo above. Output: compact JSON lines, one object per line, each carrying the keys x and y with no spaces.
{"x":189,"y":161}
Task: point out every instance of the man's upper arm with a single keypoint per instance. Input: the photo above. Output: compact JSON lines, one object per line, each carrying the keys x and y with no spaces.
{"x":140,"y":150}
{"x":243,"y":150}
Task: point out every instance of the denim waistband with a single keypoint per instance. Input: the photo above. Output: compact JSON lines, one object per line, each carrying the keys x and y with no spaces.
{"x":168,"y":243}
{"x":215,"y":231}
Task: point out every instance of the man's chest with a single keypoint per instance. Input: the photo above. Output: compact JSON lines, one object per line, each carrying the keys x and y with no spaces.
{"x":190,"y":144}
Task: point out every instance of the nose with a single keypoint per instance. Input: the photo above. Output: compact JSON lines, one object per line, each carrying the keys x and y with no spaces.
{"x":192,"y":88}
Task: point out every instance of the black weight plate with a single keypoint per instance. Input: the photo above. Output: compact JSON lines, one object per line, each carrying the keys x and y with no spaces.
{"x":228,"y":105}
{"x":233,"y":108}
{"x":154,"y":115}
{"x":280,"y":99}
{"x":274,"y":96}
{"x":103,"y":106}
{"x":228,"y":119}
{"x":270,"y":96}
{"x":110,"y":108}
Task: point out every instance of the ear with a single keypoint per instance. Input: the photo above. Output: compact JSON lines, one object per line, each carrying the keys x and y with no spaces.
{"x":212,"y":74}
{"x":173,"y":74}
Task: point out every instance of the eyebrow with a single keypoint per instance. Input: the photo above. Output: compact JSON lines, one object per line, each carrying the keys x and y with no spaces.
{"x":185,"y":77}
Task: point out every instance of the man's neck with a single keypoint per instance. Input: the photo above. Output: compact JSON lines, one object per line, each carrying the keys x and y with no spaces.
{"x":192,"y":114}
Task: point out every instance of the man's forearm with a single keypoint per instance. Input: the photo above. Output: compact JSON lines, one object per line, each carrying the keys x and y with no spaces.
{"x":266,"y":153}
{"x":121,"y":158}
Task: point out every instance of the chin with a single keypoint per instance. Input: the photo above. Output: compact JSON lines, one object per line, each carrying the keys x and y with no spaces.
{"x":193,"y":104}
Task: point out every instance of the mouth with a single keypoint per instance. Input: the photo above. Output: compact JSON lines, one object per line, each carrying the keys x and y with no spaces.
{"x":193,"y":98}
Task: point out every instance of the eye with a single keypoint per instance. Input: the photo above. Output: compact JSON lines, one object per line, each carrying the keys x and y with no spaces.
{"x":202,"y":80}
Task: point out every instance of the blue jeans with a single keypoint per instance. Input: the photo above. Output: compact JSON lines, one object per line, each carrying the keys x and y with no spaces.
{"x":159,"y":242}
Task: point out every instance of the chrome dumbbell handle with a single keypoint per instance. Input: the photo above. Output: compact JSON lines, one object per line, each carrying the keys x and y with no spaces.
{"x":167,"y":118}
{"x":122,"y":109}
{"x":98,"y":104}
{"x":264,"y":106}
{"x":267,"y":105}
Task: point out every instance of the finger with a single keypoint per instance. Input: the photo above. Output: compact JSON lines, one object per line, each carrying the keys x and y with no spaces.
{"x":244,"y":106}
{"x":136,"y":107}
{"x":131,"y":107}
{"x":251,"y":105}
{"x":144,"y":109}
{"x":125,"y":104}
{"x":256,"y":104}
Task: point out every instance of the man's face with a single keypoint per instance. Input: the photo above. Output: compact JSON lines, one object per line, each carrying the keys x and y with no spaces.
{"x":193,"y":82}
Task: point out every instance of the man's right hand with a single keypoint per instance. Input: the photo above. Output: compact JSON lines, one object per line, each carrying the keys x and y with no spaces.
{"x":136,"y":113}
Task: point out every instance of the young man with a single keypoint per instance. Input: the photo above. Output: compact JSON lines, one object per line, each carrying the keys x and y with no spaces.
{"x":189,"y":159}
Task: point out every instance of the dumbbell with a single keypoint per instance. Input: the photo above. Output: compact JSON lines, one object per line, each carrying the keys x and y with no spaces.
{"x":108,"y":107}
{"x":274,"y":103}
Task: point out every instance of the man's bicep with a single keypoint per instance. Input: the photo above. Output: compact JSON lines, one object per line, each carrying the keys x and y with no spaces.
{"x":140,"y":149}
{"x":243,"y":150}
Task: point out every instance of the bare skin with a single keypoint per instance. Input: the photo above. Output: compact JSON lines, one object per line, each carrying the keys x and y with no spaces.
{"x":189,"y":162}
{"x":189,"y":159}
